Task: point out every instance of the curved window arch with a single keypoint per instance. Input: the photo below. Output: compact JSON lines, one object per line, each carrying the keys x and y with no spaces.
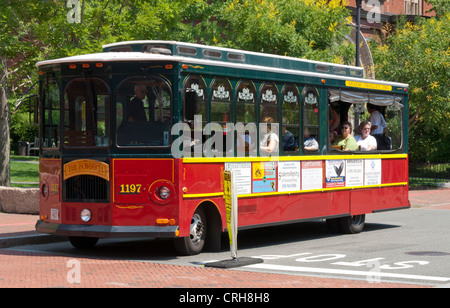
{"x":221,"y":108}
{"x":310,"y":102}
{"x":290,"y":115}
{"x":268,"y":102}
{"x":245,"y":102}
{"x":196,"y":84}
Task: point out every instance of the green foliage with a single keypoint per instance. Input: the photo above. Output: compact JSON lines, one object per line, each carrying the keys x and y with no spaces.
{"x":307,"y":28}
{"x":419,"y":54}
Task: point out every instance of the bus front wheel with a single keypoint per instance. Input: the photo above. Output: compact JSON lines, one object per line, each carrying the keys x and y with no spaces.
{"x":194,"y":243}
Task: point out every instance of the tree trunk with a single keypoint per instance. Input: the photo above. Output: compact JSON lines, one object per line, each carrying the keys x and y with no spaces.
{"x":4,"y":127}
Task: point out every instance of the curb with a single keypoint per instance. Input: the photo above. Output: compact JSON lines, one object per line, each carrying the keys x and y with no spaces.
{"x":33,"y":239}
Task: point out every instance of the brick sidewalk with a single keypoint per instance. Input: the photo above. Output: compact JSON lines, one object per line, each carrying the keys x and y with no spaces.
{"x":26,"y":269}
{"x":36,"y":270}
{"x":433,"y":198}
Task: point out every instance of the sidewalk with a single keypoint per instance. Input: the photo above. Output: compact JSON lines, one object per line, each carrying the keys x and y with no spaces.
{"x":18,"y":229}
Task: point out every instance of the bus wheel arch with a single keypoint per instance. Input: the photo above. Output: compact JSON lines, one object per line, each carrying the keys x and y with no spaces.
{"x":205,"y":231}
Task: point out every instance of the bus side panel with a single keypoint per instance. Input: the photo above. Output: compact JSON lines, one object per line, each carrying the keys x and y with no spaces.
{"x":390,"y":198}
{"x":274,"y":209}
{"x":134,"y":184}
{"x":50,"y":176}
{"x":394,"y":171}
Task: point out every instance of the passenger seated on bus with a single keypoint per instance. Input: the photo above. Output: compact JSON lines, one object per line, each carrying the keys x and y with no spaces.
{"x":135,"y":108}
{"x":288,"y":138}
{"x":334,"y":121}
{"x":346,"y":140}
{"x":309,"y":142}
{"x":365,"y":140}
{"x":244,"y":142}
{"x":269,"y":143}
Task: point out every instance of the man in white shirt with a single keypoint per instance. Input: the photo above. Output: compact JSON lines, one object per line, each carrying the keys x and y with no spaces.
{"x":377,"y":120}
{"x":365,"y":140}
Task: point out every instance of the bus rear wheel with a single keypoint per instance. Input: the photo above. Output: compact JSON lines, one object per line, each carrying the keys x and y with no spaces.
{"x":352,"y":224}
{"x":82,"y":242}
{"x":194,"y":243}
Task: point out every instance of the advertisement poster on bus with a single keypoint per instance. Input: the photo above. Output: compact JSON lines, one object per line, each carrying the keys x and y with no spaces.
{"x":334,"y":173}
{"x":243,"y":173}
{"x":354,"y":173}
{"x":312,"y":175}
{"x":372,"y":171}
{"x":264,"y":176}
{"x":288,"y":176}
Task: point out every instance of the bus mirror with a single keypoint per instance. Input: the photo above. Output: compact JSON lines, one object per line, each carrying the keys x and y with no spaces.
{"x":190,"y":104}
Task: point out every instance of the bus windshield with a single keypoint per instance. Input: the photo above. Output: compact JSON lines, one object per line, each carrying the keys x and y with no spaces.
{"x":143,"y":112}
{"x":86,"y":113}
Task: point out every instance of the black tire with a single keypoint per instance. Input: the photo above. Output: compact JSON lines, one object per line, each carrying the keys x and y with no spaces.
{"x":194,"y":243}
{"x":81,"y":242}
{"x":352,"y":224}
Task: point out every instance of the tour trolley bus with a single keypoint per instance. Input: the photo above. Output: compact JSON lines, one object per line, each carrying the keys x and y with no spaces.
{"x":134,"y":141}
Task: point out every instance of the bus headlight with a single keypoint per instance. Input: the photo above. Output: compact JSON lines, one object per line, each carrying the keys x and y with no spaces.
{"x":164,"y":192}
{"x":86,"y":215}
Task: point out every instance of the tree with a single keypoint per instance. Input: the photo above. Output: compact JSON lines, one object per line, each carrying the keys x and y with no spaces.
{"x":419,"y":54}
{"x":33,"y":30}
{"x":311,"y":29}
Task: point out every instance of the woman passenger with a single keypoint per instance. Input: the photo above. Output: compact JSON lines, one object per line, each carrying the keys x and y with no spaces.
{"x":346,"y":139}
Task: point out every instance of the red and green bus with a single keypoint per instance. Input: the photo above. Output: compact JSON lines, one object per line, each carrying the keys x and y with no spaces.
{"x":134,"y":141}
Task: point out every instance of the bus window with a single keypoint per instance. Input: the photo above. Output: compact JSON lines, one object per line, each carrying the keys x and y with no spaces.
{"x":144,"y":112}
{"x":198,"y":85}
{"x":86,"y":113}
{"x":221,"y":101}
{"x":245,"y":102}
{"x":268,"y":102}
{"x":383,"y":111}
{"x":221,"y":109}
{"x":50,"y":132}
{"x":310,"y":99}
{"x":246,"y":115}
{"x":268,"y":112}
{"x":290,"y":114}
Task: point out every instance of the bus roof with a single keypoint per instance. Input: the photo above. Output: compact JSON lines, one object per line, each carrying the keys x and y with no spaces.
{"x":172,"y":52}
{"x":234,"y":56}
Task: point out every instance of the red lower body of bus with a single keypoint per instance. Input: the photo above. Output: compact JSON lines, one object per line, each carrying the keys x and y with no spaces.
{"x":135,"y":206}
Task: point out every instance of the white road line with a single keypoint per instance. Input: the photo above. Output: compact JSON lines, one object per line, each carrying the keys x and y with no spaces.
{"x":344,"y":272}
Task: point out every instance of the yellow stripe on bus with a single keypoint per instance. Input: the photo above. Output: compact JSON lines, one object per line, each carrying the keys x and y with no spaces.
{"x":266,"y":194}
{"x":196,"y":160}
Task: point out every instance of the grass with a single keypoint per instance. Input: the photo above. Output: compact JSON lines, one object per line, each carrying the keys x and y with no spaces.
{"x":24,"y":169}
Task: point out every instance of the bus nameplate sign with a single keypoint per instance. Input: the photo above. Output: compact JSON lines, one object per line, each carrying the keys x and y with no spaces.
{"x":86,"y":167}
{"x":367,"y":85}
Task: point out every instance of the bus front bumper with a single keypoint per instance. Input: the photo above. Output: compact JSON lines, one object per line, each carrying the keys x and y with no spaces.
{"x":107,"y":231}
